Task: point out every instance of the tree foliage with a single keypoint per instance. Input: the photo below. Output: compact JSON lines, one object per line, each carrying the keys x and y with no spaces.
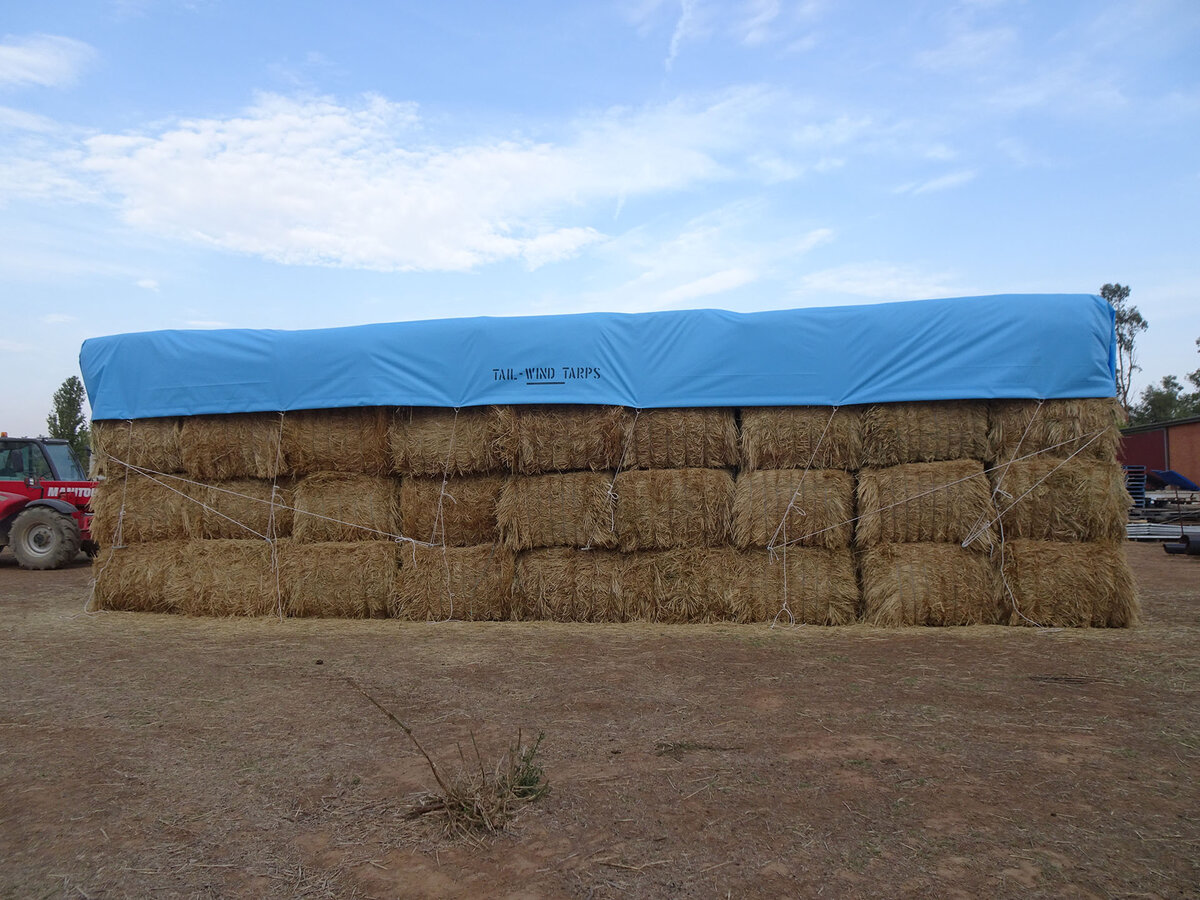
{"x":1130,"y":324}
{"x":66,"y":420}
{"x":1168,"y":400}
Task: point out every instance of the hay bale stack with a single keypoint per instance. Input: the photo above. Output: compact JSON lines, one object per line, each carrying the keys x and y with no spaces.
{"x":466,"y":583}
{"x":681,"y":586}
{"x":929,"y":584}
{"x":1051,"y":499}
{"x":801,"y":437}
{"x":927,"y":431}
{"x":570,"y":509}
{"x":133,"y":578}
{"x":925,"y":502}
{"x":219,"y":578}
{"x":337,"y":440}
{"x":569,"y":585}
{"x":682,"y":439}
{"x":814,"y":508}
{"x":458,"y":511}
{"x":149,"y":443}
{"x":335,"y":507}
{"x":144,"y":509}
{"x":1019,"y":428}
{"x":817,"y":584}
{"x":660,"y":509}
{"x":346,"y":580}
{"x":428,"y":441}
{"x":241,"y":445}
{"x":244,"y":508}
{"x":1072,"y":585}
{"x":539,"y":439}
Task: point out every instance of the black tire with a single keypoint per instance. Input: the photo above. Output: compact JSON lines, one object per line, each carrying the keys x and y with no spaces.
{"x":44,"y":539}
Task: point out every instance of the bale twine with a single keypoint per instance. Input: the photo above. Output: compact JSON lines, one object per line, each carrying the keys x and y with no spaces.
{"x":353,"y":440}
{"x":242,"y":508}
{"x":219,"y":577}
{"x":571,"y":509}
{"x":335,"y":507}
{"x":431,"y":441}
{"x":149,"y":443}
{"x":1066,"y":585}
{"x":926,"y":431}
{"x":800,"y":437}
{"x":1048,"y":499}
{"x":458,"y":511}
{"x":660,"y":509}
{"x":680,"y":586}
{"x":929,"y":584}
{"x":466,"y":583}
{"x":821,"y":505}
{"x":538,"y":439}
{"x":704,"y":438}
{"x":568,"y":585}
{"x":926,"y":502}
{"x":1019,"y":428}
{"x":133,"y":578}
{"x":241,"y":445}
{"x":152,"y":511}
{"x":817,"y":583}
{"x":355,"y":580}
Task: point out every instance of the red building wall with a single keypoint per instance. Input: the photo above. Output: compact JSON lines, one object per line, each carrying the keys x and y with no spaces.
{"x":1183,"y":449}
{"x":1145,"y":448}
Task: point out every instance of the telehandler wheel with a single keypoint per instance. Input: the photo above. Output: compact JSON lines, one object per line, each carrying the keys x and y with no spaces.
{"x":44,"y":539}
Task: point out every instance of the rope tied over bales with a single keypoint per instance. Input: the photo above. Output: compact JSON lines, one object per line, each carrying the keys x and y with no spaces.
{"x":271,"y":536}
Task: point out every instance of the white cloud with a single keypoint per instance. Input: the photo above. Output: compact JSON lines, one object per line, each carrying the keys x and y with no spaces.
{"x":47,"y":60}
{"x":19,"y":120}
{"x":941,"y":183}
{"x":968,"y":48}
{"x":716,"y":283}
{"x":206,"y":324}
{"x":878,"y":281}
{"x":147,"y":284}
{"x":687,"y":27}
{"x":760,"y":15}
{"x":14,"y":346}
{"x":58,"y":319}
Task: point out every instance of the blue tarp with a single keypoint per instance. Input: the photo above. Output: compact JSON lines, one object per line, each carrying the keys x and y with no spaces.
{"x":1016,"y":346}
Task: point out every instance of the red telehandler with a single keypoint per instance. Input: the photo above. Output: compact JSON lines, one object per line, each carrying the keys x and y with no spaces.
{"x":44,"y":498}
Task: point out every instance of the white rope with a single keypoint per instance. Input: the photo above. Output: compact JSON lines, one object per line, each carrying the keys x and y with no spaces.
{"x":975,"y":531}
{"x":439,"y":522}
{"x":271,"y":520}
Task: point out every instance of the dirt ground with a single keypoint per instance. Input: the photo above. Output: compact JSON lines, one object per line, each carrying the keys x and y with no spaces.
{"x":145,"y":755}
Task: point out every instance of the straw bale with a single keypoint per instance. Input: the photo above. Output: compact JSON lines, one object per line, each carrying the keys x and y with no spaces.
{"x":1069,"y":585}
{"x":817,"y":583}
{"x":682,"y":439}
{"x":354,"y":580}
{"x":539,"y":439}
{"x":332,"y":506}
{"x":661,"y":509}
{"x":568,"y":585}
{"x":462,"y":516}
{"x":1055,"y":500}
{"x":354,"y":440}
{"x":134,"y":577}
{"x":929,"y":584}
{"x":466,"y":583}
{"x":241,"y":445}
{"x":821,"y":505}
{"x":925,"y":431}
{"x":432,"y":441}
{"x":682,"y":585}
{"x":145,"y":508}
{"x":245,"y":502}
{"x":801,"y":437}
{"x":150,"y":443}
{"x":220,"y":578}
{"x":926,"y":502}
{"x":571,"y":509}
{"x":1018,"y":428}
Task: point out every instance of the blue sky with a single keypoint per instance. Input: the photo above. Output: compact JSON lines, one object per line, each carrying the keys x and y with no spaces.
{"x":169,"y":164}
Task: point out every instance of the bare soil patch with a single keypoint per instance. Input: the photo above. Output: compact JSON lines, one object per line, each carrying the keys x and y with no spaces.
{"x":154,"y":755}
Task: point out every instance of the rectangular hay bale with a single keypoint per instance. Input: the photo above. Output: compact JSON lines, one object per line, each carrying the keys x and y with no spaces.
{"x":458,"y":511}
{"x":924,"y":431}
{"x":661,"y":509}
{"x":568,"y":509}
{"x":220,"y":578}
{"x":355,"y":580}
{"x":703,"y":438}
{"x":801,"y":437}
{"x":811,"y":508}
{"x":464,"y":583}
{"x":1019,"y":428}
{"x":149,"y":443}
{"x":239,"y":445}
{"x":563,"y":584}
{"x":144,"y":509}
{"x":244,"y":508}
{"x":1049,"y":499}
{"x":546,"y":438}
{"x":924,"y":503}
{"x":804,"y":585}
{"x":1067,"y":585}
{"x":353,"y":439}
{"x":929,"y":584}
{"x":333,"y":507}
{"x":434,"y":441}
{"x":133,"y":578}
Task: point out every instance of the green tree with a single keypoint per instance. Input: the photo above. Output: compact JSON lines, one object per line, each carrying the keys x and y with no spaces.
{"x":1130,"y":324}
{"x":67,"y":421}
{"x":1168,"y":400}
